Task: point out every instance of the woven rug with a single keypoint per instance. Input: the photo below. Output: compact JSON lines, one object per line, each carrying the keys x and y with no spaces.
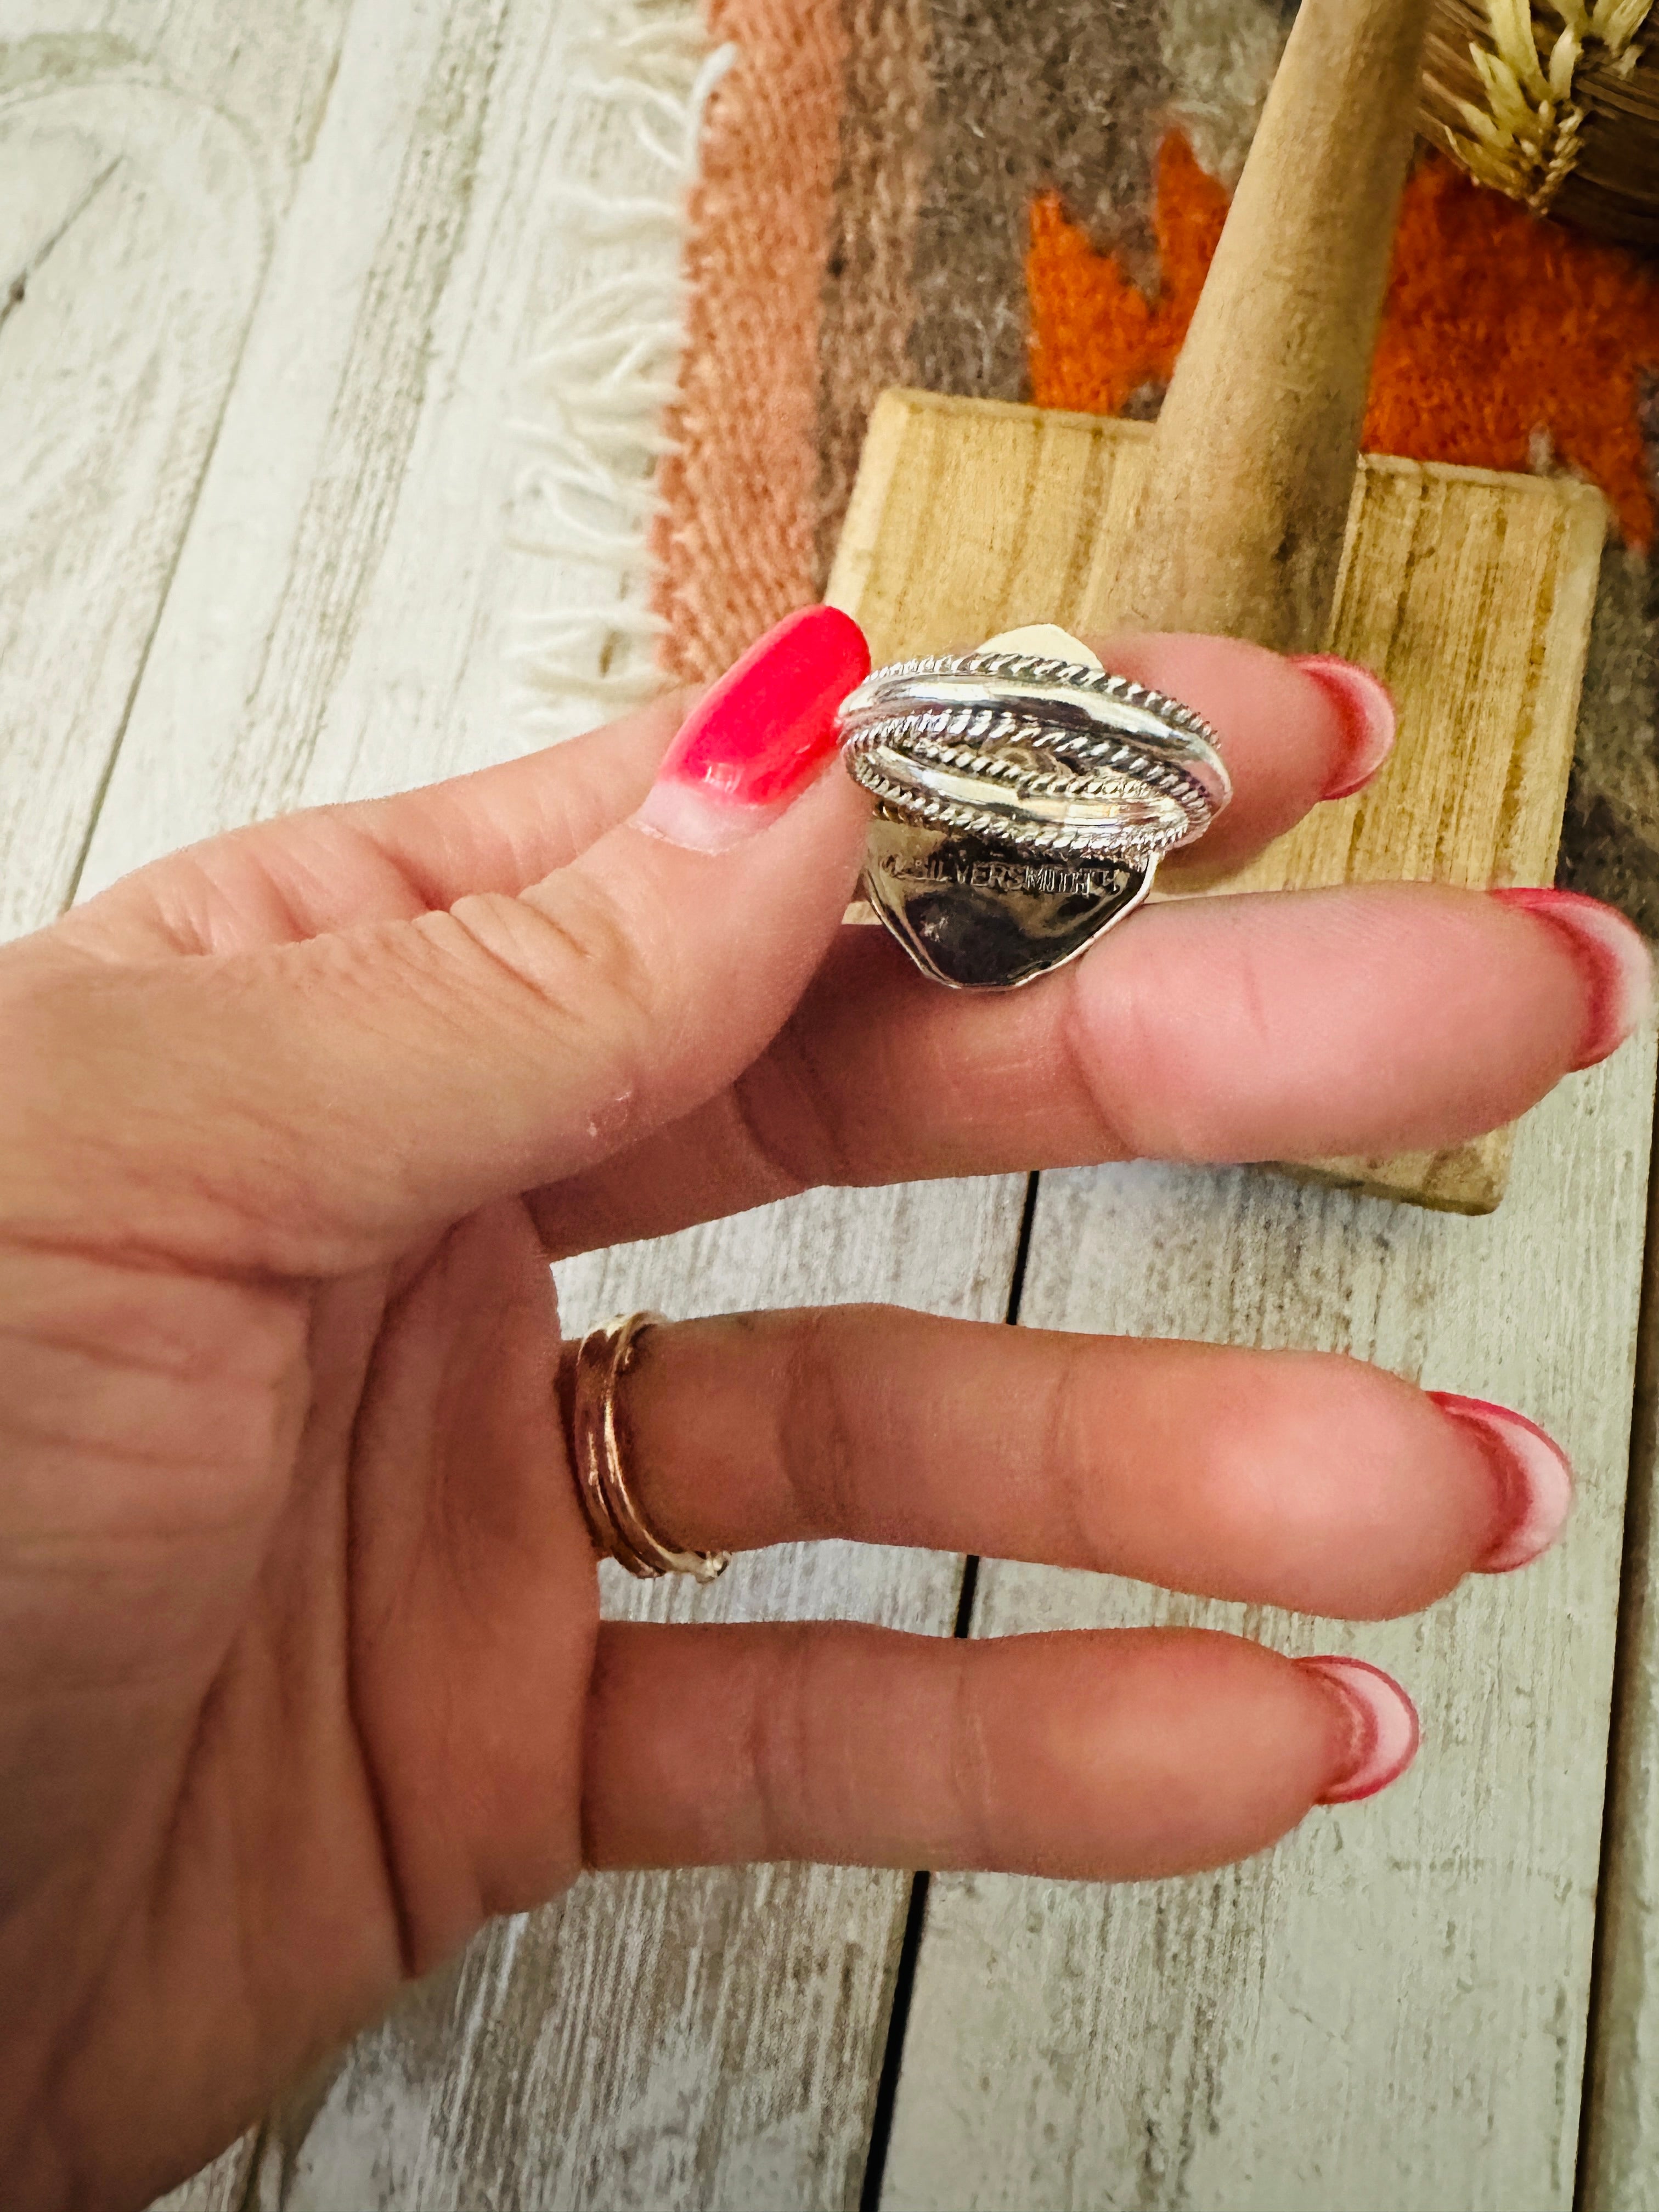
{"x":1018,"y":199}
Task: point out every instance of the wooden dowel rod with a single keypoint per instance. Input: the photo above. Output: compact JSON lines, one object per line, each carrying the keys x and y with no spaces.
{"x":1241,"y":526}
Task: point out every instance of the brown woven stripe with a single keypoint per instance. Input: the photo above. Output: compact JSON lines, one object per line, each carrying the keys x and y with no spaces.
{"x":1025,"y":94}
{"x":869,"y":300}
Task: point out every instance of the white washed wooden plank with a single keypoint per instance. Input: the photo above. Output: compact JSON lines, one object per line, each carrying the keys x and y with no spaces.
{"x":1621,"y":2135}
{"x":144,"y":154}
{"x":1387,"y":2014}
{"x":267,"y":69}
{"x":306,"y":477}
{"x":339,"y":621}
{"x":133,"y":219}
{"x":221,"y":2187}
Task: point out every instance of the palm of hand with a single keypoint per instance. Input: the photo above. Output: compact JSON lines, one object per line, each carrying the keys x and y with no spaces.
{"x":322,"y":1631}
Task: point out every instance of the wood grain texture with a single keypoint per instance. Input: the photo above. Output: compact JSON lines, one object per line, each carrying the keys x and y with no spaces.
{"x":221,"y":2187}
{"x":133,"y":229}
{"x":363,"y":329}
{"x":340,"y":617}
{"x":1387,"y":2014}
{"x":334,"y":627}
{"x":1470,"y":593}
{"x":145,"y":154}
{"x":268,"y":70}
{"x":1621,"y":2135}
{"x":1239,"y":528}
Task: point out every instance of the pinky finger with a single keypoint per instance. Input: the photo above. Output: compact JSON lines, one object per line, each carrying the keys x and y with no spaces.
{"x":1109,"y":1756}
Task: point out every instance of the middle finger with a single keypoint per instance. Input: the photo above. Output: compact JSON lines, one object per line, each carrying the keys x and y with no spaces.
{"x":1371,"y":1019}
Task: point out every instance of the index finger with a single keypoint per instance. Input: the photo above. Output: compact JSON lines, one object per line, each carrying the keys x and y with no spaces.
{"x":1291,"y":732}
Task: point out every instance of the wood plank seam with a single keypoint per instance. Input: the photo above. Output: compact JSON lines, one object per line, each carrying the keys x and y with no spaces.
{"x":1617,"y":2162}
{"x":915,"y":1921}
{"x":1418,"y":1976}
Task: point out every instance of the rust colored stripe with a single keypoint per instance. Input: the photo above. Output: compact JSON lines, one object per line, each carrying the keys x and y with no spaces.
{"x":733,"y":548}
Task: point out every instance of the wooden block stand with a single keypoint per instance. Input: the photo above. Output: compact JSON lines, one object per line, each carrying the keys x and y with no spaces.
{"x":1469,"y":592}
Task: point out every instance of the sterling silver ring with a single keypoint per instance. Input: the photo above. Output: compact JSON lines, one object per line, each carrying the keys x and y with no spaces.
{"x":1024,"y":797}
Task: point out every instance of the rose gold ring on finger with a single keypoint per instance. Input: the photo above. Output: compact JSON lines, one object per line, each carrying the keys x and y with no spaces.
{"x":619,"y":1529}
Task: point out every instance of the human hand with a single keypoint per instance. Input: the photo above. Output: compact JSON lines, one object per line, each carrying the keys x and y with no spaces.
{"x":302,"y":1675}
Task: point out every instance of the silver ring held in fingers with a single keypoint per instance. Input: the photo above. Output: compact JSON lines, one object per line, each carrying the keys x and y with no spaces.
{"x":1024,"y":797}
{"x":619,"y":1529}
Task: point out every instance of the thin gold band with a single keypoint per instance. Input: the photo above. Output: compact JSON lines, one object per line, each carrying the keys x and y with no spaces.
{"x":619,"y":1529}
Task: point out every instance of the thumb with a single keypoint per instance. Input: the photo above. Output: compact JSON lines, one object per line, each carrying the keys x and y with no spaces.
{"x":321,"y":1105}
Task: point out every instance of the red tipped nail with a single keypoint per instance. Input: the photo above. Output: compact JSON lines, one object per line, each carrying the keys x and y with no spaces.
{"x":1366,"y":707}
{"x":756,"y":741}
{"x":1617,"y":966}
{"x":1532,"y":1473}
{"x":1380,"y":1728}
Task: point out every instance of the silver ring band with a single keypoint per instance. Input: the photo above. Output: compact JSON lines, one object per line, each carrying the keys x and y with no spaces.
{"x":1039,"y":757}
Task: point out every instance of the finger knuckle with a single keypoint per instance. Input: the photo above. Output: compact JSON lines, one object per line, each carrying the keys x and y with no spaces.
{"x":568,"y":958}
{"x":787,"y":1770}
{"x":783,"y":1116}
{"x":1066,"y":1438}
{"x":63,"y":1023}
{"x":975,"y":1778}
{"x":1173,"y":1050}
{"x":819,"y":1430}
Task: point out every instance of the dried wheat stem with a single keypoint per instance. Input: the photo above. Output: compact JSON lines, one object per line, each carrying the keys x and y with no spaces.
{"x":1526,"y":141}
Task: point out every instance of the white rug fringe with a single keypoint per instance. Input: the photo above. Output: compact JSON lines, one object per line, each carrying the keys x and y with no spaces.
{"x":596,"y":394}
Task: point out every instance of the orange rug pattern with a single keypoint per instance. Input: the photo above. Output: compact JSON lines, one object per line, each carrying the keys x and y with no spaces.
{"x":1504,"y":339}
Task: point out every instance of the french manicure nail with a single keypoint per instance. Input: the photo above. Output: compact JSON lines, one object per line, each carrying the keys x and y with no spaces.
{"x":1617,"y":965}
{"x":1368,"y":719}
{"x":1382,"y":1727}
{"x":1533,"y":1475}
{"x":755,"y":740}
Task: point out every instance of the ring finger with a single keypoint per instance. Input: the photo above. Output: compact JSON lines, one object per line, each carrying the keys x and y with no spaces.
{"x":1293,"y":1479}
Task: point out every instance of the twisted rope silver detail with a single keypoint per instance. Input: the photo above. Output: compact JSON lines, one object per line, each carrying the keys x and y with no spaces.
{"x":1034,"y":755}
